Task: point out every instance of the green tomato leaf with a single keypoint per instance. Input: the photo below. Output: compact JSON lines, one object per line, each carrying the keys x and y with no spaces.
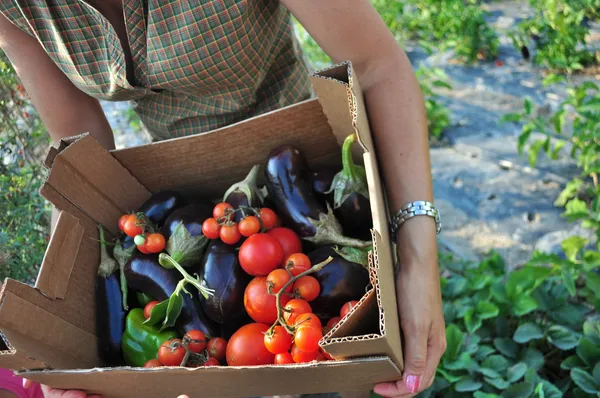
{"x":472,"y":321}
{"x":591,"y":259}
{"x":507,"y":347}
{"x":173,"y":311}
{"x":499,"y":383}
{"x":158,"y":313}
{"x":524,"y":305}
{"x":572,"y":246}
{"x":486,"y":310}
{"x":483,"y":352}
{"x":464,"y":362}
{"x":520,"y":390}
{"x":585,"y":381}
{"x":576,"y":209}
{"x":527,"y":332}
{"x":454,"y":342}
{"x":451,"y":378}
{"x":534,"y":152}
{"x":498,"y":292}
{"x":532,"y":357}
{"x":570,"y":191}
{"x":571,"y":362}
{"x":186,"y":249}
{"x":456,"y":286}
{"x":487,"y":372}
{"x":588,"y":351}
{"x":569,"y":282}
{"x":467,"y":384}
{"x":516,"y":372}
{"x":496,"y":362}
{"x":545,"y":389}
{"x":528,"y":106}
{"x":562,"y":337}
{"x":570,"y":314}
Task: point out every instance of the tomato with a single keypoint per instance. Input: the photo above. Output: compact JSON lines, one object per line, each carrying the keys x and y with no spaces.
{"x":288,"y":239}
{"x":326,"y":355}
{"x":347,"y":307}
{"x":278,"y":342}
{"x":153,"y":363}
{"x":246,"y":347}
{"x":211,"y":362}
{"x":260,"y":305}
{"x":307,"y":288}
{"x":297,"y":263}
{"x":300,"y":356}
{"x":122,"y":221}
{"x":320,"y":357}
{"x":155,"y":243}
{"x":222,"y":210}
{"x":148,"y":308}
{"x":284,"y":358}
{"x":276,"y":279}
{"x":143,"y":249}
{"x":131,"y":228}
{"x":268,"y":217}
{"x":260,"y":254}
{"x":307,"y":338}
{"x":249,"y":226}
{"x":332,"y":322}
{"x":196,"y":341}
{"x":216,"y":348}
{"x":230,"y":234}
{"x":296,"y":307}
{"x":171,"y":353}
{"x":211,"y":228}
{"x":308,"y":318}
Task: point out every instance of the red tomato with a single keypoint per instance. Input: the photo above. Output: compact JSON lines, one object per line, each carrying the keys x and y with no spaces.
{"x":171,"y":353}
{"x":249,"y":226}
{"x":196,"y":341}
{"x":307,"y":338}
{"x":332,"y":322}
{"x":211,"y":362}
{"x":131,"y":228}
{"x":230,"y":234}
{"x":148,"y":308}
{"x":155,"y":243}
{"x":260,"y":254}
{"x":300,"y":356}
{"x":326,"y":355}
{"x":288,"y":239}
{"x":307,"y":288}
{"x":122,"y":221}
{"x":320,"y":357}
{"x":153,"y":363}
{"x":284,"y":358}
{"x":276,"y":279}
{"x":211,"y":228}
{"x":222,"y":210}
{"x":268,"y":217}
{"x":297,"y":263}
{"x":295,"y":307}
{"x":142,"y":248}
{"x":260,"y":305}
{"x":247,"y":348}
{"x":308,"y":319}
{"x":347,"y":307}
{"x":216,"y":348}
{"x":279,"y":341}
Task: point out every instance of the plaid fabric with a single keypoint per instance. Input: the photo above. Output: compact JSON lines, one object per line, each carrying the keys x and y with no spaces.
{"x":198,"y":65}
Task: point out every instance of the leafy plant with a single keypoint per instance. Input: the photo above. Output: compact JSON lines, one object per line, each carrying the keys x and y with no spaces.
{"x":438,"y":115}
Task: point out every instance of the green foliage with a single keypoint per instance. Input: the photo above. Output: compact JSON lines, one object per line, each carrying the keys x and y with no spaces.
{"x":24,"y":214}
{"x":559,"y":29}
{"x":438,"y":115}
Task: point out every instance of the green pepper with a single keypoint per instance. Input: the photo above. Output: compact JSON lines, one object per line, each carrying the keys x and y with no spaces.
{"x":143,"y":299}
{"x":141,"y":342}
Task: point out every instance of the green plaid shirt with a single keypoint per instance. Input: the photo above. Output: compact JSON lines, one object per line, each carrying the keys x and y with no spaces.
{"x":198,"y":65}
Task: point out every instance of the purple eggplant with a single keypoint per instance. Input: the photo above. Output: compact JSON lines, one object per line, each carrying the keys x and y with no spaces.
{"x":244,"y":194}
{"x":192,"y":216}
{"x":321,"y":183}
{"x":290,"y":187}
{"x":160,"y":206}
{"x":340,"y":281}
{"x":110,"y":315}
{"x":145,"y":274}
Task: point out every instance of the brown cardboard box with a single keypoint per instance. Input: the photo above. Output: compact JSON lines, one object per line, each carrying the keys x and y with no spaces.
{"x":50,"y":329}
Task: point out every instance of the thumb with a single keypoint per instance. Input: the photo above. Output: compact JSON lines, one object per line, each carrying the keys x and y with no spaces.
{"x":416,"y":360}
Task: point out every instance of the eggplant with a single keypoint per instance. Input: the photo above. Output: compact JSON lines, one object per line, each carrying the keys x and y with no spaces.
{"x":233,"y":324}
{"x":144,"y":274}
{"x":110,"y":315}
{"x":220,"y":270}
{"x":192,"y":216}
{"x":340,"y":281}
{"x":244,"y":193}
{"x":290,"y":187}
{"x":350,"y":191}
{"x":321,"y":183}
{"x":160,"y":206}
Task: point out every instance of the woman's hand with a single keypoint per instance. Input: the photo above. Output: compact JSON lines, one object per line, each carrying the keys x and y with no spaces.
{"x":50,"y":392}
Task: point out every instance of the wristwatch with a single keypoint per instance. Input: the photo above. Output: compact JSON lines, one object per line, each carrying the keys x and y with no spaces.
{"x":413,"y":209}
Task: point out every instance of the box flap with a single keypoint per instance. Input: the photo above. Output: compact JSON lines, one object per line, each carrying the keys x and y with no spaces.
{"x":18,"y":360}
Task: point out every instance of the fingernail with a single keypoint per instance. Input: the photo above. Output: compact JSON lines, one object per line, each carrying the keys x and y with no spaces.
{"x":412,"y":383}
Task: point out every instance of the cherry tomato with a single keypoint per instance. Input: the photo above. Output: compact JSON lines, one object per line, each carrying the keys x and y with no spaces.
{"x":295,"y":308}
{"x":249,"y":226}
{"x":211,"y":362}
{"x":211,"y":228}
{"x":260,"y":254}
{"x":153,"y":363}
{"x":284,"y":358}
{"x":278,"y":342}
{"x":131,"y":228}
{"x":308,"y":318}
{"x":139,"y":240}
{"x":122,"y":221}
{"x":196,"y":341}
{"x":320,"y":357}
{"x":288,"y":239}
{"x":143,"y":249}
{"x":216,"y":348}
{"x":155,"y":243}
{"x":347,"y":307}
{"x":332,"y":322}
{"x":300,"y":356}
{"x":171,"y":353}
{"x":230,"y":234}
{"x":326,"y":355}
{"x":307,"y":288}
{"x":148,"y":308}
{"x":268,"y":217}
{"x":221,"y":210}
{"x":246,"y":347}
{"x":276,"y":279}
{"x":307,"y":338}
{"x":297,"y":263}
{"x":260,"y":305}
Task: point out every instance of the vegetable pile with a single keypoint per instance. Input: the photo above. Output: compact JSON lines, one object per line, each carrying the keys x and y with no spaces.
{"x":257,"y":278}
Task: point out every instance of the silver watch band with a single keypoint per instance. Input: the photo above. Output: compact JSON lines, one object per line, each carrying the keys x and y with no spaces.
{"x":413,"y":209}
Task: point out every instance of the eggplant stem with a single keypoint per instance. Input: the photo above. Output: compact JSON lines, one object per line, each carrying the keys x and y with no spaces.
{"x":107,"y":265}
{"x":349,"y":167}
{"x":247,"y":185}
{"x":164,"y":258}
{"x":280,"y":310}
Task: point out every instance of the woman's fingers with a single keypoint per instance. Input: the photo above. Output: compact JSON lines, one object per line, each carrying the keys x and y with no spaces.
{"x":436,"y":348}
{"x":50,"y":392}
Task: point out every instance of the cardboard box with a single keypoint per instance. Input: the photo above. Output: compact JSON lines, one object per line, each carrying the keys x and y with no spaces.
{"x":50,"y":329}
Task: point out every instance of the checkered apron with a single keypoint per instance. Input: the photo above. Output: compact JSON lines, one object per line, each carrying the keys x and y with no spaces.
{"x":198,"y":65}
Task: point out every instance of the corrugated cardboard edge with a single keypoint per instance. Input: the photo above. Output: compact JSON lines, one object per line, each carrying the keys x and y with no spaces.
{"x":331,"y":86}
